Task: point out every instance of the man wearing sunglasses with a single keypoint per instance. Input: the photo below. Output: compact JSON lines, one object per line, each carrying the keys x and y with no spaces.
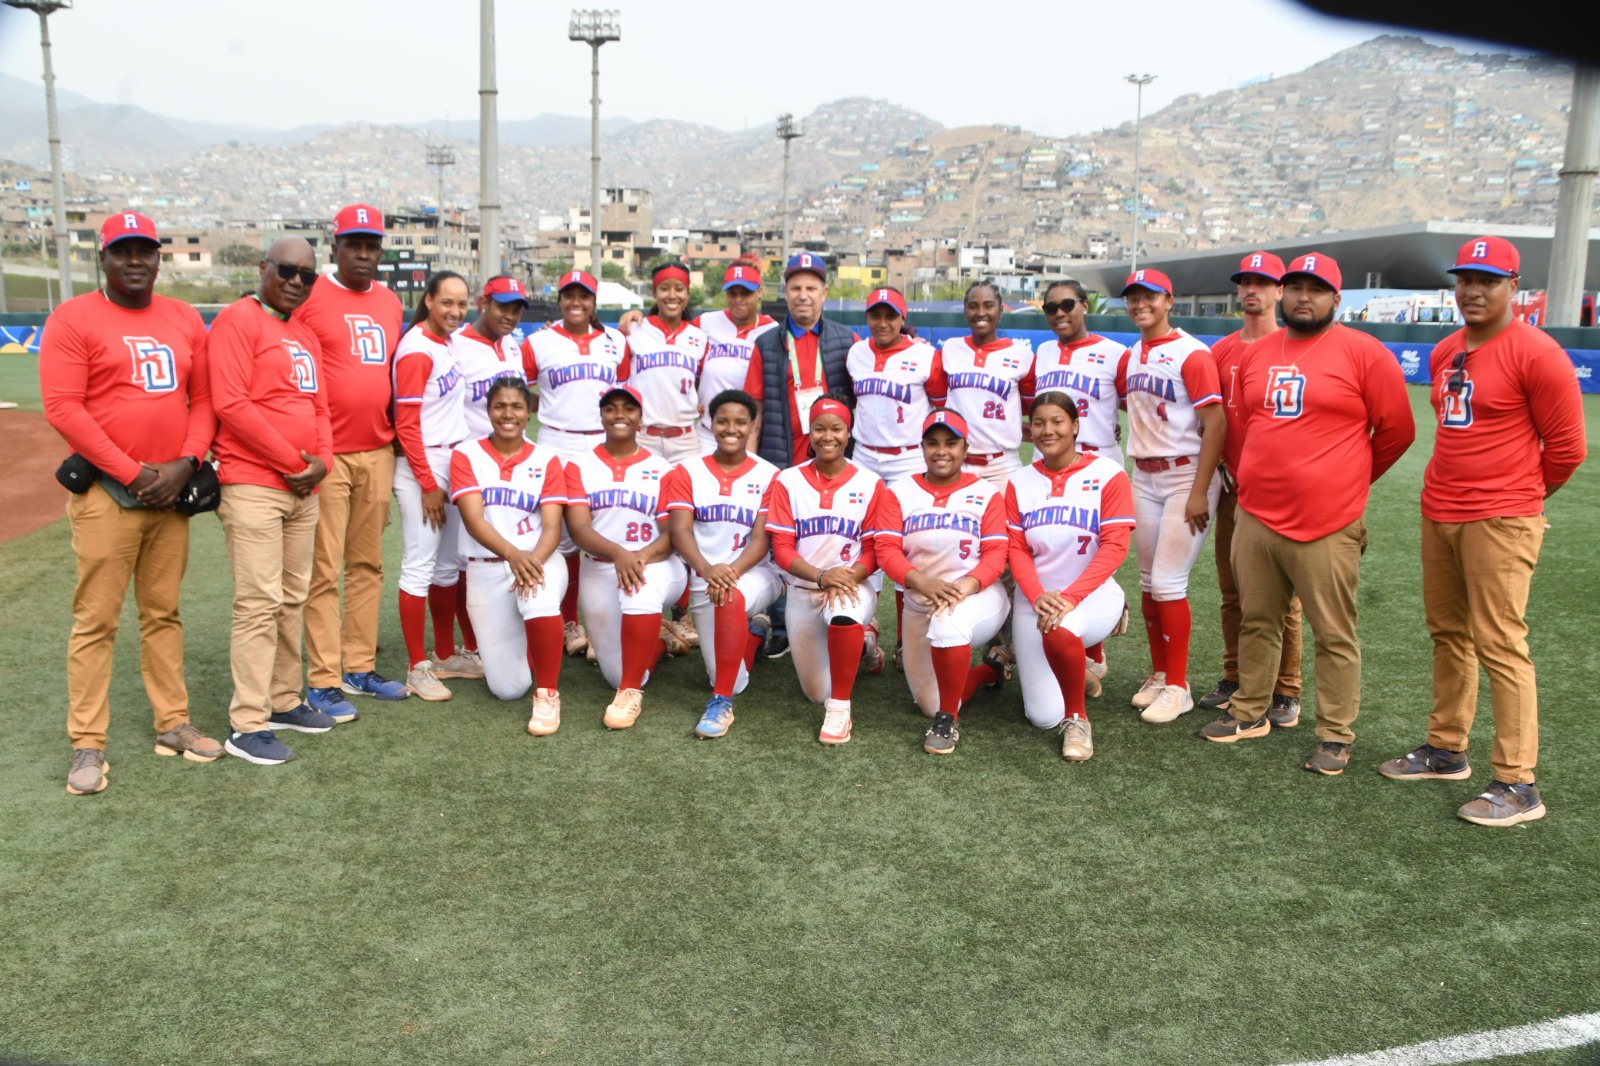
{"x":1510,"y":434}
{"x":274,"y":446}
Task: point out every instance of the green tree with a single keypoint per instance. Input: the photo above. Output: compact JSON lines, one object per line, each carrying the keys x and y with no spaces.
{"x":239,"y":255}
{"x":610,"y":271}
{"x":555,"y":268}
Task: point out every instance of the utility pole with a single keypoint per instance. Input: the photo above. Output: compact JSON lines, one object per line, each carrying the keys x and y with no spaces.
{"x":44,"y":9}
{"x":488,"y":148}
{"x":788,"y":130}
{"x":1569,"y":248}
{"x":1139,"y":81}
{"x":440,"y":156}
{"x":594,"y":27}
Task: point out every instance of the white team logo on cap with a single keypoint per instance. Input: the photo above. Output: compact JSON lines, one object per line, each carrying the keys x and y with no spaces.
{"x":1138,"y":275}
{"x":361,"y":215}
{"x":1480,"y":250}
{"x":1311,"y":262}
{"x":131,"y":221}
{"x":1255,"y":260}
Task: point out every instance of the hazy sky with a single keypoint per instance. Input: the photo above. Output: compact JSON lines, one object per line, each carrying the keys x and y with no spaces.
{"x":1054,"y":69}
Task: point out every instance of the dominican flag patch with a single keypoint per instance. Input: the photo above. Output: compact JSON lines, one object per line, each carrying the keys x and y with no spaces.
{"x":1098,"y":358}
{"x":1163,"y":359}
{"x":972,"y":499}
{"x":855,"y":497}
{"x":649,"y":475}
{"x":1092,"y":484}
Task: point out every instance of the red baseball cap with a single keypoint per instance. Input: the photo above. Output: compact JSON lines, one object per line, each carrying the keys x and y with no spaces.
{"x":1146,"y":278}
{"x":1319,"y":266}
{"x":358,"y":218}
{"x":742,"y":276}
{"x":627,"y":390}
{"x":579,"y":278}
{"x":887,"y":298}
{"x":948,"y":419}
{"x":506,"y":290}
{"x":1488,"y":255}
{"x":125,"y":224}
{"x":1261,"y":265}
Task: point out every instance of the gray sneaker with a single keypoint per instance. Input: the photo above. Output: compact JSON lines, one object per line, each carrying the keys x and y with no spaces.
{"x":1284,"y":713}
{"x":941,"y":735}
{"x":1427,"y":762}
{"x":1077,"y":740}
{"x":1330,"y":758}
{"x":424,"y":684}
{"x":88,"y":773}
{"x":1503,"y":804}
{"x":465,"y":664}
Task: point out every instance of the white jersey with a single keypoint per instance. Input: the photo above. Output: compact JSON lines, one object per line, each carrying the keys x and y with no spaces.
{"x":725,"y":504}
{"x":986,"y":387}
{"x":727,"y":358}
{"x":513,"y":488}
{"x":1087,"y":371}
{"x":829,"y":519}
{"x":663,"y":366}
{"x":571,"y":374}
{"x":894,"y":390}
{"x":941,"y":529}
{"x":1060,"y":514}
{"x":425,"y":374}
{"x":1164,"y":383}
{"x":481,"y":361}
{"x":623,"y":495}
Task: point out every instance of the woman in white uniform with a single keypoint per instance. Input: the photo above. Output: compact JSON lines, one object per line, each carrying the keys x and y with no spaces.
{"x":663,"y":362}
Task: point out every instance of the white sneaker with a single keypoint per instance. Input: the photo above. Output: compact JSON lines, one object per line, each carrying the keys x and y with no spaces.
{"x":835,"y":722}
{"x":1093,"y":675}
{"x":576,"y":640}
{"x":624,"y":709}
{"x":424,"y":684}
{"x":1149,"y":690}
{"x":1077,"y":740}
{"x":463,"y":664}
{"x":673,"y":636}
{"x":871,"y":650}
{"x":686,"y":628}
{"x":546,"y":712}
{"x":1173,"y":701}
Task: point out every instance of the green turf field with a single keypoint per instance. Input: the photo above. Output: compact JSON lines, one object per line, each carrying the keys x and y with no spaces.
{"x":432,"y":885}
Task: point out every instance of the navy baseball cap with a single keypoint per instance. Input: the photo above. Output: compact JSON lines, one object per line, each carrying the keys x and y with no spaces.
{"x":806,"y":263}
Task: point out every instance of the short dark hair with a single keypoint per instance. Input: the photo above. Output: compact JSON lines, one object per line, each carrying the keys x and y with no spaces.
{"x":510,"y":381}
{"x":738,"y":396}
{"x":1068,"y":283}
{"x":981,"y":283}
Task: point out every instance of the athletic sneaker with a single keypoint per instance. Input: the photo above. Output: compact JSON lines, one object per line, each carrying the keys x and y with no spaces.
{"x":1330,"y":758}
{"x":1094,"y":676}
{"x":717,"y":719}
{"x":687,"y":628}
{"x":1284,"y":712}
{"x":1122,"y":623}
{"x":676,"y":641}
{"x":1173,"y":701}
{"x":1227,"y":729}
{"x":998,"y":659}
{"x":761,"y":626}
{"x":88,"y":773}
{"x":1503,"y":804}
{"x":941,"y":735}
{"x":301,"y":719}
{"x":423,"y":683}
{"x":189,"y":742}
{"x":1077,"y":739}
{"x":331,"y":702}
{"x":1149,"y":690}
{"x":546,"y":718}
{"x":1427,"y":762}
{"x":574,"y":637}
{"x":463,"y":664}
{"x":836,"y":718}
{"x":1217,"y":699}
{"x":777,"y":644}
{"x":371,"y":683}
{"x":900,"y":658}
{"x":871,"y":651}
{"x":263,"y":748}
{"x":624,"y":708}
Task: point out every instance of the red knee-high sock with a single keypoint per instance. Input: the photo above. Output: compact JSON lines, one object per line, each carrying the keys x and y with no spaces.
{"x":1063,"y":650}
{"x":683,"y":601}
{"x":950,"y":669}
{"x":1097,"y":652}
{"x":899,"y":615}
{"x":640,"y":635}
{"x":733,"y":636}
{"x":844,"y":657}
{"x":977,"y":677}
{"x":544,"y":650}
{"x":1175,"y":628}
{"x":1152,"y":630}
{"x":442,"y":608}
{"x":469,"y":639}
{"x":569,"y":602}
{"x":413,"y":626}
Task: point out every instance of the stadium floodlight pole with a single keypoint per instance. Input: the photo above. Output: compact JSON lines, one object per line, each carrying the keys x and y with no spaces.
{"x":788,"y":130}
{"x":1139,"y":81}
{"x":44,"y":9}
{"x":440,"y":156}
{"x":1569,"y":247}
{"x":488,"y":148}
{"x":594,"y":27}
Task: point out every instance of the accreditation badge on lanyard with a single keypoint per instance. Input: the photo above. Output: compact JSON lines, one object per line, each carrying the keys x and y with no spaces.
{"x":804,"y":398}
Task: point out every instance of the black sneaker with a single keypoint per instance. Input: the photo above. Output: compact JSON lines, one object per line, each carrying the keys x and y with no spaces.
{"x":1421,"y":764}
{"x":777,"y":644}
{"x":1284,"y":712}
{"x":1330,"y":758}
{"x":941,"y":735}
{"x":1217,"y":699}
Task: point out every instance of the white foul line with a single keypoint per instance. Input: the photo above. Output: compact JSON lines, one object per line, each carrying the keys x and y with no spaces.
{"x":1572,"y":1031}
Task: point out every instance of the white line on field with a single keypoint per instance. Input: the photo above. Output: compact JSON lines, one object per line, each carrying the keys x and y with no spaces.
{"x":1572,"y":1031}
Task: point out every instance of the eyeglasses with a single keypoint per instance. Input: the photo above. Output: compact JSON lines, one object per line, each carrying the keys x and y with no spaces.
{"x":288,"y":272}
{"x":1064,"y":306}
{"x":1458,"y":373}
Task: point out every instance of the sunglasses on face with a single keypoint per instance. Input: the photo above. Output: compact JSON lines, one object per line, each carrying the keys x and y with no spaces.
{"x":1064,"y":306}
{"x":1458,"y":374}
{"x":288,"y":272}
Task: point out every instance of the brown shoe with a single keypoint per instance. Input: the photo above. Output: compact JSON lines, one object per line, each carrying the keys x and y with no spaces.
{"x":189,"y":742}
{"x":88,"y":773}
{"x":1229,"y":730}
{"x":1330,"y":758}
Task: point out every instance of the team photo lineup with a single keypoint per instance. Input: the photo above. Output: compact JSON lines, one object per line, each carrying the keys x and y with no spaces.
{"x":754,"y":488}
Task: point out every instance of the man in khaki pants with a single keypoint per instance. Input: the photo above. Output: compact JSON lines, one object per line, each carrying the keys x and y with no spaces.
{"x":123,"y":375}
{"x":274,"y":446}
{"x":1510,"y":434}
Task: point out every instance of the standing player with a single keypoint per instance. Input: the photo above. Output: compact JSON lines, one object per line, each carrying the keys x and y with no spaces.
{"x":942,"y":535}
{"x":664,"y":357}
{"x":358,"y":322}
{"x":616,"y":514}
{"x":1510,"y":434}
{"x":123,"y":377}
{"x":730,"y":337}
{"x":512,"y":495}
{"x":818,"y":516}
{"x":712,"y":504}
{"x":1175,"y":430}
{"x":1260,"y":282}
{"x":1069,"y":515}
{"x":988,"y":376}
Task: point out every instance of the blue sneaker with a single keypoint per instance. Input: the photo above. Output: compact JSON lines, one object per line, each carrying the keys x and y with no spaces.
{"x":302,"y":719}
{"x":263,"y":748}
{"x":717,"y":719}
{"x":374,"y":684}
{"x":333,"y":704}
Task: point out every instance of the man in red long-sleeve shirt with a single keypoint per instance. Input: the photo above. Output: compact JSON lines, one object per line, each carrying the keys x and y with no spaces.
{"x":1324,"y":413}
{"x":123,"y":376}
{"x":1510,"y":434}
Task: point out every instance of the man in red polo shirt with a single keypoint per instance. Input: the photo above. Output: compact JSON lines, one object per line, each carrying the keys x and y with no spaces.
{"x":1510,"y":434}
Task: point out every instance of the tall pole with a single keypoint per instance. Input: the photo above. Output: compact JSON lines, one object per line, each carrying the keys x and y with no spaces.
{"x":788,"y":130}
{"x":1569,"y":248}
{"x":594,"y":27}
{"x":488,"y":148}
{"x":58,"y":182}
{"x":1139,"y":81}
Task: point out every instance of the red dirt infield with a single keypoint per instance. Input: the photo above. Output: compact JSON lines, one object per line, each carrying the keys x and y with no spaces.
{"x":28,"y":485}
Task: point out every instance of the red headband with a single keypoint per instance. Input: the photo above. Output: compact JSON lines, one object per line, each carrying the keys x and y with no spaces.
{"x":668,"y":273}
{"x":829,"y":406}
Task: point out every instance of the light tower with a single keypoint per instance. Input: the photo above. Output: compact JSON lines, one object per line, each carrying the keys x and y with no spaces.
{"x":441,"y":156}
{"x":788,"y":130}
{"x":488,"y":148}
{"x":1139,"y":81}
{"x":44,"y":9}
{"x":595,"y":27}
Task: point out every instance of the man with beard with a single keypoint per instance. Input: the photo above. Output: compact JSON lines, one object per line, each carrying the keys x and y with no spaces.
{"x":1324,"y":413}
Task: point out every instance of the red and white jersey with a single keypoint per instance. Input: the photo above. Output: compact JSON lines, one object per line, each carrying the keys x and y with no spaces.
{"x":481,"y":361}
{"x":1086,"y":370}
{"x":623,"y":495}
{"x":571,"y":374}
{"x":725,"y":504}
{"x":1165,"y":382}
{"x":986,"y":388}
{"x":943,"y":531}
{"x":1060,"y":515}
{"x":663,"y":365}
{"x":513,"y":488}
{"x":895,"y":390}
{"x":825,"y":521}
{"x":426,"y":375}
{"x":727,"y":358}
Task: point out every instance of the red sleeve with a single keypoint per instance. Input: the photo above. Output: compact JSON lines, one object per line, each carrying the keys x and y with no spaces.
{"x":890,"y":526}
{"x":555,"y":483}
{"x":411,"y":373}
{"x":64,"y":384}
{"x":530,"y":360}
{"x":408,"y":431}
{"x":201,"y":429}
{"x":938,"y":387}
{"x":1556,"y":404}
{"x":462,"y":479}
{"x":779,"y":509}
{"x":231,"y":361}
{"x":1028,"y":385}
{"x":1017,"y":554}
{"x":319,"y":404}
{"x":1388,"y":410}
{"x":677,"y":491}
{"x":1122,"y":371}
{"x":577,"y":495}
{"x":1116,"y":529}
{"x":1200,"y":379}
{"x":753,"y":377}
{"x":992,"y":546}
{"x":625,"y":367}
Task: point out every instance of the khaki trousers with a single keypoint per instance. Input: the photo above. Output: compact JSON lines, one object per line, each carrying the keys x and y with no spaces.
{"x":270,"y":536}
{"x":1326,"y":572}
{"x":1475,"y":578}
{"x":354,"y":508}
{"x":114,"y":545}
{"x":1288,"y":683}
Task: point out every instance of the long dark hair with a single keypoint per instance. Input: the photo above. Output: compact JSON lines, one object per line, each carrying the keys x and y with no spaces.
{"x":420,"y":315}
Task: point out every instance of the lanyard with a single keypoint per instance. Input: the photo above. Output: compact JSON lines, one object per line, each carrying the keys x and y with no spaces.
{"x":794,"y":359}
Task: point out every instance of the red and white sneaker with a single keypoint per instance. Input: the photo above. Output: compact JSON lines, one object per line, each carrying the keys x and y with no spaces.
{"x":546,"y":717}
{"x":835,"y":722}
{"x":872,"y":651}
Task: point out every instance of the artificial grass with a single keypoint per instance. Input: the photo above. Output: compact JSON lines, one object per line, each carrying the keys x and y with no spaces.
{"x":430,"y":884}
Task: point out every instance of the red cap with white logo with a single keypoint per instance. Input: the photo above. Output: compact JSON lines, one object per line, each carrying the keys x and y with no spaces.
{"x":887,"y":298}
{"x":1261,"y":265}
{"x":1152,"y":280}
{"x":125,"y":224}
{"x":948,"y":419}
{"x":358,"y":218}
{"x":1316,"y":265}
{"x":1491,"y":255}
{"x":579,"y":278}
